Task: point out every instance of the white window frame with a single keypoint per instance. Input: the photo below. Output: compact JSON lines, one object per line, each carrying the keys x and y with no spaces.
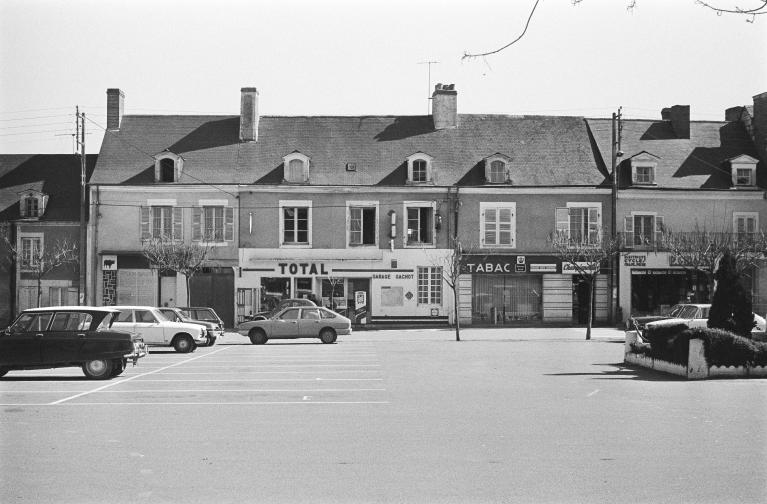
{"x":178,"y":166}
{"x":295,"y":156}
{"x":420,"y":156}
{"x":751,"y":176}
{"x":629,"y":227}
{"x":30,"y":265}
{"x":745,"y":216}
{"x":483,"y":208}
{"x":635,"y":178}
{"x":361,"y":204}
{"x":582,"y":204}
{"x":743,"y":162}
{"x":176,"y":219}
{"x":295,"y":204}
{"x":434,"y":290}
{"x":419,"y":204}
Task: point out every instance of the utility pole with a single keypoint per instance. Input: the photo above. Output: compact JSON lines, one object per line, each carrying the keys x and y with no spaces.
{"x":428,"y":88}
{"x":617,"y":129}
{"x":83,"y":208}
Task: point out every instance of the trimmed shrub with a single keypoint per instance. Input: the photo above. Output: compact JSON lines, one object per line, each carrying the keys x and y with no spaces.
{"x":731,"y":305}
{"x":665,"y":343}
{"x":723,"y":348}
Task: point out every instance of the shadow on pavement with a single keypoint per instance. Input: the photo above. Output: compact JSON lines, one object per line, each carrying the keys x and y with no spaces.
{"x":621,"y":370}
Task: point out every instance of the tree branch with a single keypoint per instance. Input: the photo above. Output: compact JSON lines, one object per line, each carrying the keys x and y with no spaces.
{"x":467,"y":55}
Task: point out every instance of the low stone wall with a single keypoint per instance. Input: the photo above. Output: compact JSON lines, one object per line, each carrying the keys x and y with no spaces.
{"x":697,"y":367}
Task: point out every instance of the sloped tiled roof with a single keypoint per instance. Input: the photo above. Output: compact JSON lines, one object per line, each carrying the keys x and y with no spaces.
{"x":57,"y":175}
{"x":698,"y":162}
{"x":544,"y":151}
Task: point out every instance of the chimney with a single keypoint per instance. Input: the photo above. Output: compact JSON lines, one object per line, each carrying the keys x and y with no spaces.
{"x":115,"y":99}
{"x":759,"y":123}
{"x":679,"y":115}
{"x":249,"y":114}
{"x":444,"y":106}
{"x":735,"y":114}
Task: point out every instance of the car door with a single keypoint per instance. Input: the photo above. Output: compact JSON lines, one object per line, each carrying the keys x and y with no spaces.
{"x":124,"y":321}
{"x":286,"y":324}
{"x":149,"y":327}
{"x":309,"y":323}
{"x":65,"y":337}
{"x":21,"y":344}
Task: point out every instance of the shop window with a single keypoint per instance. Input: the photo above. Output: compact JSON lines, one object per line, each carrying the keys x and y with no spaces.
{"x":643,"y":230}
{"x":430,"y":285}
{"x":580,"y":223}
{"x":334,"y":293}
{"x":420,"y":224}
{"x":363,"y":226}
{"x":498,"y":225}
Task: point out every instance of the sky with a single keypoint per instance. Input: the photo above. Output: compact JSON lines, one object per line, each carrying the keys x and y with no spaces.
{"x":344,"y":57}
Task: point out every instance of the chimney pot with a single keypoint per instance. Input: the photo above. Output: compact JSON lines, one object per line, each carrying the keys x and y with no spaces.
{"x":444,"y":106}
{"x":249,"y":114}
{"x":115,"y":102}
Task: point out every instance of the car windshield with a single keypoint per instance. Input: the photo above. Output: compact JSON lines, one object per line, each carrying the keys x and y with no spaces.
{"x":675,"y":310}
{"x":106,"y":323}
{"x":688,"y":312}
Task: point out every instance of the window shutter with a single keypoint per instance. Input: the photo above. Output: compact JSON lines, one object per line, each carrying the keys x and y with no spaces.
{"x":23,"y":206}
{"x":628,"y":231}
{"x":196,"y":223}
{"x":228,"y":224}
{"x":594,"y":221}
{"x":177,"y":223}
{"x":563,"y":220}
{"x":658,"y":228}
{"x":145,"y":223}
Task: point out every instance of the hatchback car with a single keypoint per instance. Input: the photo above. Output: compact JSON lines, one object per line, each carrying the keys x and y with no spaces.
{"x":297,"y":322}
{"x":69,"y":336}
{"x":214,"y":329}
{"x":280,"y":306}
{"x":155,"y":329}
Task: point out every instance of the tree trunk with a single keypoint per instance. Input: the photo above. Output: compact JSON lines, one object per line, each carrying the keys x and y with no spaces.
{"x":188,"y":292}
{"x":39,"y":290}
{"x":457,"y":318}
{"x":591,"y":308}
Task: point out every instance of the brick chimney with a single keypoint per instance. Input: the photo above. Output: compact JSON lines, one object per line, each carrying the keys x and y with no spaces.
{"x":759,"y":124}
{"x":679,"y":116}
{"x":115,"y":100}
{"x":249,"y":114}
{"x":444,"y":106}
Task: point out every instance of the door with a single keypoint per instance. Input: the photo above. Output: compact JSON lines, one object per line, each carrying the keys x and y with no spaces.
{"x":22,"y":345}
{"x":149,"y":327}
{"x":286,"y":326}
{"x":66,"y":336}
{"x":168,"y":291}
{"x":309,"y":323}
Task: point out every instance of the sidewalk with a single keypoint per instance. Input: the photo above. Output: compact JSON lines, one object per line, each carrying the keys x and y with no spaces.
{"x":490,"y":333}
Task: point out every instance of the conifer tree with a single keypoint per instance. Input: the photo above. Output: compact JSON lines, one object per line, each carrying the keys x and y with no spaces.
{"x":731,"y":306}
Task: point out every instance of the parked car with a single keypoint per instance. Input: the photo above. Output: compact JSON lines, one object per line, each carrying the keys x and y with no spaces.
{"x":202,"y":313}
{"x":285,"y":303}
{"x":638,"y":322}
{"x":696,"y":315}
{"x":214,"y":330}
{"x":69,"y":336}
{"x":297,"y":322}
{"x":158,"y":330}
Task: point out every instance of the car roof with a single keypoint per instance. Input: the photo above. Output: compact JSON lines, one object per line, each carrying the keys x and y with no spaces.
{"x":131,"y":307}
{"x":109,"y":309}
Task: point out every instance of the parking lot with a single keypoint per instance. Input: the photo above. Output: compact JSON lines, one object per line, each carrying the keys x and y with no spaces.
{"x":535,"y":415}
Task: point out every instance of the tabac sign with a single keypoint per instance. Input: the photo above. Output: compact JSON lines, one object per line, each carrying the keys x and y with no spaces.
{"x":508,"y":264}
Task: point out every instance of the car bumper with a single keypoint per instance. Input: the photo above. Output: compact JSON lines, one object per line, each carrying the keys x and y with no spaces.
{"x":139,"y":350}
{"x":344,"y":332}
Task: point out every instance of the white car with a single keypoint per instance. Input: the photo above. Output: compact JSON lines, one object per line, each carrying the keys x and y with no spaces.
{"x":157,"y":330}
{"x":696,"y":315}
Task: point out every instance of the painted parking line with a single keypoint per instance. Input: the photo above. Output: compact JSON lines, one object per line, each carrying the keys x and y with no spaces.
{"x":227,"y":403}
{"x":112,"y":384}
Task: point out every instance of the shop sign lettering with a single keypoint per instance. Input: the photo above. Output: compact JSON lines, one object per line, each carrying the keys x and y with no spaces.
{"x":398,"y":276}
{"x":302,"y":268}
{"x":634,"y":260}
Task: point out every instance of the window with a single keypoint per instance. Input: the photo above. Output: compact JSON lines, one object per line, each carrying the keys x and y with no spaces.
{"x":71,"y":321}
{"x":498,"y":225}
{"x":430,"y":285}
{"x":32,"y":207}
{"x":644,"y":175}
{"x":743,"y":171}
{"x":295,"y":223}
{"x":310,"y":313}
{"x":291,"y":314}
{"x":363,"y":224}
{"x":296,"y":168}
{"x":124,"y":316}
{"x":581,"y":223}
{"x":420,"y":225}
{"x":213,"y":223}
{"x":419,"y":168}
{"x":745,"y":225}
{"x":744,"y":177}
{"x":167,"y":170}
{"x":497,"y":169}
{"x":145,"y":316}
{"x":168,"y":167}
{"x":31,"y":250}
{"x":643,"y":230}
{"x":62,"y":296}
{"x":32,"y":204}
{"x":163,"y":222}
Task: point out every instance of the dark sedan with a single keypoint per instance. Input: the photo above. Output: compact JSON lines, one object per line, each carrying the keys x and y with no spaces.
{"x":74,"y":336}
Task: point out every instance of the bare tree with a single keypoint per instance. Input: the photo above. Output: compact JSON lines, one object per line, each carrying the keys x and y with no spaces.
{"x":757,"y":8}
{"x":41,"y":260}
{"x":334,"y":281}
{"x":173,"y":255}
{"x":585,"y":256}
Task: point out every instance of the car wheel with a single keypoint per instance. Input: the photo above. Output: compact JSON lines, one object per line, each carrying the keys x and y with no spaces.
{"x":119,"y":367}
{"x":211,"y":341}
{"x":3,"y":370}
{"x":183,"y":343}
{"x":257,"y":336}
{"x":328,"y":335}
{"x":98,"y":369}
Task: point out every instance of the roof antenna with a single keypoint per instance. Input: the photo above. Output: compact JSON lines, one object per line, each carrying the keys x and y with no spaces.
{"x":428,"y":89}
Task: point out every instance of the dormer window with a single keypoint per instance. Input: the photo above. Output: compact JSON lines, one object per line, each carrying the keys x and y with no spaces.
{"x":296,"y":168}
{"x":643,"y":169}
{"x":168,"y":167}
{"x":497,"y":169}
{"x":32,"y":204}
{"x":743,"y":171}
{"x":419,"y":168}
